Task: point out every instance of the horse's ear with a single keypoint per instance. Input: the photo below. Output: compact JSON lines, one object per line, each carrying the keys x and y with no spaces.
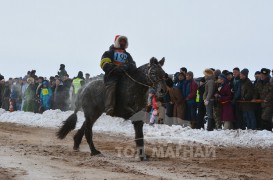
{"x":153,"y":60}
{"x":162,"y":61}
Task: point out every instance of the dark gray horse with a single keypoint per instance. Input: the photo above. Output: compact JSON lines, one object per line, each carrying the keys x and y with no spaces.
{"x":131,"y":93}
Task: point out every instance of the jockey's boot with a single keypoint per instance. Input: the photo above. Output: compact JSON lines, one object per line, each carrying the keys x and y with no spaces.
{"x":110,"y":98}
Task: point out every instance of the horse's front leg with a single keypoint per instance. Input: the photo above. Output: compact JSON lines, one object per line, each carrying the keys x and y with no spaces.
{"x":138,"y":126}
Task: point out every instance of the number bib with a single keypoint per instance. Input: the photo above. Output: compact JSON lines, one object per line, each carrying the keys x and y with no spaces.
{"x":120,"y":57}
{"x":44,"y":91}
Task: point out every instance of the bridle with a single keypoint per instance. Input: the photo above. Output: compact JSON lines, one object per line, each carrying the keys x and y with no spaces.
{"x":149,"y":78}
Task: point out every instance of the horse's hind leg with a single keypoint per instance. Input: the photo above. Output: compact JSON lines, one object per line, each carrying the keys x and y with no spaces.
{"x":78,"y":137}
{"x":90,"y":120}
{"x":138,"y":126}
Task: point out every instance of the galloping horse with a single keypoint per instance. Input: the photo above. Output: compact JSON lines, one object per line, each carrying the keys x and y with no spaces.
{"x":131,"y":93}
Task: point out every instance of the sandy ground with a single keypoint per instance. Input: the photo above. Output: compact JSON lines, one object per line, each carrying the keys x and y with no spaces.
{"x":35,"y":153}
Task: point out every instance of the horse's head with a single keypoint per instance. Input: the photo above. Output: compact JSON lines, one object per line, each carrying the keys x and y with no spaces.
{"x":156,"y":76}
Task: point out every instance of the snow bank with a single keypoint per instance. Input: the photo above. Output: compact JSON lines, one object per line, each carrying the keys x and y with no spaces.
{"x":163,"y":133}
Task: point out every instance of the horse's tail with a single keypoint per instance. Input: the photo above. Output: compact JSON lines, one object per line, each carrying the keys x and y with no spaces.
{"x":70,"y":123}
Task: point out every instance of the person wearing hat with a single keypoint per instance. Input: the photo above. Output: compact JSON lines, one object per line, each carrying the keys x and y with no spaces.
{"x":216,"y":105}
{"x":263,"y":91}
{"x":59,"y":101}
{"x":46,"y":96}
{"x":115,"y":62}
{"x":257,"y":76}
{"x":29,"y":96}
{"x":67,"y":83}
{"x":229,"y":76}
{"x":15,"y":95}
{"x":178,"y":102}
{"x":77,"y":83}
{"x":224,"y":97}
{"x":61,"y":71}
{"x":190,"y":97}
{"x":209,"y":96}
{"x":182,"y":70}
{"x":247,"y":93}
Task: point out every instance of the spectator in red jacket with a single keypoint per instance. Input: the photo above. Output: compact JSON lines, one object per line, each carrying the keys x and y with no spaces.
{"x":190,"y":96}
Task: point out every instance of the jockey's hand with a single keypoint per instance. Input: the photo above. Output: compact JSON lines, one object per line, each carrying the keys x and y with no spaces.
{"x":124,"y":67}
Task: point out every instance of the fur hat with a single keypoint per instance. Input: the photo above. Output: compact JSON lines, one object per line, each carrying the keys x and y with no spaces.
{"x":208,"y":72}
{"x":245,"y":72}
{"x":265,"y":71}
{"x":117,"y":39}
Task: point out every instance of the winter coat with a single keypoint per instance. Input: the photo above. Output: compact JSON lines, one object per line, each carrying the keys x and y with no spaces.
{"x":179,"y":102}
{"x":113,"y":58}
{"x":46,"y":97}
{"x":236,"y":89}
{"x":181,"y":86}
{"x":209,"y":89}
{"x":168,"y":105}
{"x":190,"y":90}
{"x":60,"y":98}
{"x":29,"y":99}
{"x":2,"y":88}
{"x":263,"y":91}
{"x":6,"y":97}
{"x":16,"y":93}
{"x":154,"y":103}
{"x":77,"y":83}
{"x":247,"y":93}
{"x":225,"y":99}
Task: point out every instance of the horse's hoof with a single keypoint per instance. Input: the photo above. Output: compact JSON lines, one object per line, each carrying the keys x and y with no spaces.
{"x":76,"y":148}
{"x":94,"y":153}
{"x":144,"y":158}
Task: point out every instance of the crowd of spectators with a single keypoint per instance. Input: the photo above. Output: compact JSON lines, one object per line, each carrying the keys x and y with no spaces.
{"x":222,"y":99}
{"x":33,"y":93}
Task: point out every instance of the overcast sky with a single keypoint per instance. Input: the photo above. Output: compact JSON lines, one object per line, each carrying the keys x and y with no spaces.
{"x":42,"y":34}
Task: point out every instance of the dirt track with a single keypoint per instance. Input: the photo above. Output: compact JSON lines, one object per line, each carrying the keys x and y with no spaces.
{"x":35,"y":153}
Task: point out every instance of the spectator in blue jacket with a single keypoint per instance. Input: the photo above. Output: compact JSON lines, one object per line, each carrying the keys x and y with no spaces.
{"x":45,"y":96}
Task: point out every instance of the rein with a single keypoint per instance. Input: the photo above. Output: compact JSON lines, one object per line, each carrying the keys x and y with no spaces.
{"x":138,"y":81}
{"x":143,"y":83}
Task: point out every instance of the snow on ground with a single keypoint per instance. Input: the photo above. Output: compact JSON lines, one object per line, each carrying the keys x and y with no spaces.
{"x":163,"y":133}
